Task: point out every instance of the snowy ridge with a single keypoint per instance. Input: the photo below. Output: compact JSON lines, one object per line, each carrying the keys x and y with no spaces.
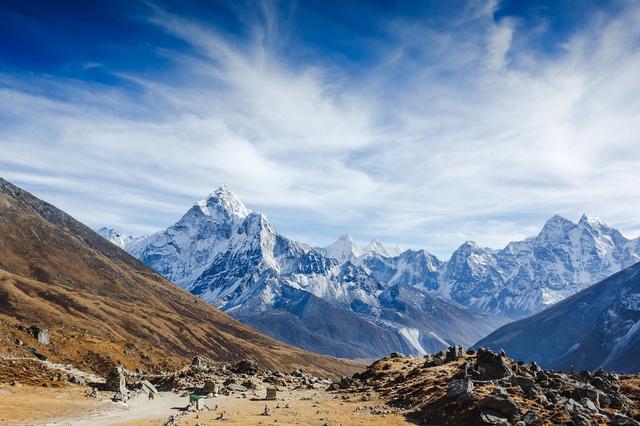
{"x":116,"y":238}
{"x":521,"y":279}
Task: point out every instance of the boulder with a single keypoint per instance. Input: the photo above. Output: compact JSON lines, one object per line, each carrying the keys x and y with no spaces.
{"x":148,"y":388}
{"x":589,"y":405}
{"x":622,"y":420}
{"x":532,"y":418}
{"x":116,"y":381}
{"x":503,"y":405}
{"x":198,"y":363}
{"x":454,"y":353}
{"x":492,"y":419}
{"x":210,"y":387}
{"x":246,"y":366}
{"x":41,"y":334}
{"x":580,"y":419}
{"x":524,"y":382}
{"x":491,"y":366}
{"x":345,"y":382}
{"x":236,"y":387}
{"x":458,"y":387}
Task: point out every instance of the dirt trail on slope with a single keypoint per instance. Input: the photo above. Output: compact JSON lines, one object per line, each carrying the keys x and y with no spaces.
{"x":41,"y":406}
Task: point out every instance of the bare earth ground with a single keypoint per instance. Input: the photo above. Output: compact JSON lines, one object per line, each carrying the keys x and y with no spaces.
{"x":71,"y":406}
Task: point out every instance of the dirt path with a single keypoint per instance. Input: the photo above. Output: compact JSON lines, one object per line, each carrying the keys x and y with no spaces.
{"x":135,"y":410}
{"x":56,"y":407}
{"x":297,"y":407}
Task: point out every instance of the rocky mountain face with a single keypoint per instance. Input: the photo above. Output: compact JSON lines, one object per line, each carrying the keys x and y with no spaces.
{"x":68,"y":295}
{"x":234,"y":259}
{"x":527,"y":276}
{"x":519,"y":280}
{"x":598,"y":327}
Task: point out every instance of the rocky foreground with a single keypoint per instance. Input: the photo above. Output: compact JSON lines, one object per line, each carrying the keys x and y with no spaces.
{"x":453,"y":387}
{"x":483,"y":387}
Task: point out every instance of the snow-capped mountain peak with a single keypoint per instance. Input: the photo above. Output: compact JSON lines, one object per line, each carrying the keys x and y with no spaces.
{"x":223,"y":200}
{"x":594,"y":224}
{"x":343,"y":249}
{"x":115,"y":237}
{"x":555,"y":230}
{"x":592,"y":221}
{"x":375,"y":247}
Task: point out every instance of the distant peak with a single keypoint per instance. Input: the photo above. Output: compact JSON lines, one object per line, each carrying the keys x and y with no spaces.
{"x":343,"y":249}
{"x":556,"y":229}
{"x":556,"y":218}
{"x":376,"y":247}
{"x":557,"y":222}
{"x":469,"y":246}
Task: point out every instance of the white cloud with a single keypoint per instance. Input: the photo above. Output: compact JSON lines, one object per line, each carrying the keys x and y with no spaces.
{"x":453,"y":135}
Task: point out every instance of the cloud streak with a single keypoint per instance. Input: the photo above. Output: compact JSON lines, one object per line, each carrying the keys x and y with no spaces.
{"x":455,"y":133}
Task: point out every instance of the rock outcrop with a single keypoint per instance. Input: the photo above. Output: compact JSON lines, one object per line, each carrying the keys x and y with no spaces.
{"x":484,"y":387}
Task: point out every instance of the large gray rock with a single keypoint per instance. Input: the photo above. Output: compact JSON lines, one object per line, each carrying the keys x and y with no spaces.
{"x":491,"y":366}
{"x":459,"y":387}
{"x":116,"y":381}
{"x":622,"y":420}
{"x":246,"y":366}
{"x":500,"y":404}
{"x":148,"y":388}
{"x":41,"y":334}
{"x":454,"y":353}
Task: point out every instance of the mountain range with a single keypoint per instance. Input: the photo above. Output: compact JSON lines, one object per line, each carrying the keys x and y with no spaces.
{"x":362,"y":303}
{"x":518,"y":280}
{"x":234,"y":259}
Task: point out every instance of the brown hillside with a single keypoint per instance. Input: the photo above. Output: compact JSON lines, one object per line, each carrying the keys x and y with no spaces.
{"x":55,"y":272}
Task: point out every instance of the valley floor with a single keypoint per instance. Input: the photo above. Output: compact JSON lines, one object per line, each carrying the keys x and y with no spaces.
{"x":73,"y":406}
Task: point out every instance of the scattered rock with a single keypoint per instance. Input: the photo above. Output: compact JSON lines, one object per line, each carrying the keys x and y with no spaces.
{"x":41,"y":334}
{"x":500,"y":404}
{"x":622,"y":420}
{"x":236,"y":387}
{"x":491,"y":366}
{"x":210,"y":387}
{"x":532,"y":418}
{"x":246,"y":366}
{"x":148,"y":388}
{"x":454,"y":353}
{"x":198,"y":363}
{"x":491,"y":419}
{"x":458,"y":387}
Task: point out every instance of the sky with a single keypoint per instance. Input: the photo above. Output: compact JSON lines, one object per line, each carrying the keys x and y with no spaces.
{"x":421,"y":124}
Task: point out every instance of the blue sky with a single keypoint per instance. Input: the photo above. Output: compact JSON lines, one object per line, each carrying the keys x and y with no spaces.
{"x":422,"y":124}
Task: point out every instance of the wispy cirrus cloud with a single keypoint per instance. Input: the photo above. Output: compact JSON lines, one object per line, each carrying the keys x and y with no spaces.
{"x":450,"y":132}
